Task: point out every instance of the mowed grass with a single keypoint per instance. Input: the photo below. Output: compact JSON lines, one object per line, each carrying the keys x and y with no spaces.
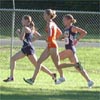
{"x":75,"y":87}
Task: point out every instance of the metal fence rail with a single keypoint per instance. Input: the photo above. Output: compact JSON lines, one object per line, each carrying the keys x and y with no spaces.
{"x":86,"y":20}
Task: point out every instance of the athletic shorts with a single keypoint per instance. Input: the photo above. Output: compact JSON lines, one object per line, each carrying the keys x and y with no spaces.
{"x":52,"y":45}
{"x":71,"y":48}
{"x":28,"y":50}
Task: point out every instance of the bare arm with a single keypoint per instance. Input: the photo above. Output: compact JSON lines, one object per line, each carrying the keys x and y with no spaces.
{"x":36,"y":36}
{"x":79,"y":30}
{"x":61,"y":38}
{"x":21,"y":34}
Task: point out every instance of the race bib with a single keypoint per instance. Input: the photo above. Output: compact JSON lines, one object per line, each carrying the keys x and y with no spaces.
{"x":66,"y":40}
{"x":66,"y":34}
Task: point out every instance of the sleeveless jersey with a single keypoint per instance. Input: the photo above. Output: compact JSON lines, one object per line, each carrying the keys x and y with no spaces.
{"x":28,"y":39}
{"x":55,"y":33}
{"x":69,"y":36}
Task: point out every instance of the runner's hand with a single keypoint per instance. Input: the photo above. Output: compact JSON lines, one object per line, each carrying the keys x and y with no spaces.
{"x":18,"y":31}
{"x":75,"y":42}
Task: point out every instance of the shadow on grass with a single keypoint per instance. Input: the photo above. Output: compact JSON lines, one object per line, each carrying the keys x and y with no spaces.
{"x":45,"y":94}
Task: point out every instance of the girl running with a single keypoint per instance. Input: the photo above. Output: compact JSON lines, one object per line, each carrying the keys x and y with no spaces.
{"x":27,"y":35}
{"x":70,"y":42}
{"x":53,"y":32}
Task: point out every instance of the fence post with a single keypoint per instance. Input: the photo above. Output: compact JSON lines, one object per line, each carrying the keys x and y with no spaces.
{"x":13,"y":27}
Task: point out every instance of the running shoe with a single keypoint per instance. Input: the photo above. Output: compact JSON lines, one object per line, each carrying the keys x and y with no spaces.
{"x":9,"y":79}
{"x":60,"y":80}
{"x":90,"y":84}
{"x":54,"y":77}
{"x":29,"y":81}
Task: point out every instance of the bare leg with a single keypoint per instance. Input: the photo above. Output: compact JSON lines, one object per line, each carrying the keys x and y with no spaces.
{"x":43,"y":57}
{"x":55,"y":57}
{"x":14,"y":58}
{"x":64,"y":54}
{"x":73,"y":58}
{"x":33,"y":60}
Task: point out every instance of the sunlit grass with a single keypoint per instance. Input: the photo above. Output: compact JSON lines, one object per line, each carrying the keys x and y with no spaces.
{"x":75,"y":87}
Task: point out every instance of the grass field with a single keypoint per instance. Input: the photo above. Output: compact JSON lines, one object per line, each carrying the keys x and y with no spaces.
{"x":75,"y":87}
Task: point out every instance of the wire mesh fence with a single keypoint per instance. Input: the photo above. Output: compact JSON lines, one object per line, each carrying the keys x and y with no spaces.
{"x":86,"y":20}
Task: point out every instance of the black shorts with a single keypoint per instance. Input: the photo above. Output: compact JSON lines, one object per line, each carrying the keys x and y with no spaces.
{"x":71,"y":48}
{"x":28,"y":50}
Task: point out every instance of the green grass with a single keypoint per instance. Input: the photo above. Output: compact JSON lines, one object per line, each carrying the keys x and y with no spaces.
{"x":75,"y":88}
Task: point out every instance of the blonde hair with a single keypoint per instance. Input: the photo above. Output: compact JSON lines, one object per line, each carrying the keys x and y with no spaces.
{"x":27,"y":17}
{"x":32,"y":26}
{"x":51,"y":12}
{"x":69,"y":16}
{"x":31,"y":23}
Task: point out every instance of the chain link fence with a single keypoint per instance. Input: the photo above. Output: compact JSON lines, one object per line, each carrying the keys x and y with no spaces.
{"x":86,"y":20}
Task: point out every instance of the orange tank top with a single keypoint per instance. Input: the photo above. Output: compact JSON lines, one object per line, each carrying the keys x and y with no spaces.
{"x":53,"y":33}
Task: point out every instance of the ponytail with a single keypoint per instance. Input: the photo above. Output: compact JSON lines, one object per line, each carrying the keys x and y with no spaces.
{"x":31,"y":23}
{"x":69,"y":16}
{"x":32,"y":26}
{"x":74,"y":21}
{"x":51,"y":13}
